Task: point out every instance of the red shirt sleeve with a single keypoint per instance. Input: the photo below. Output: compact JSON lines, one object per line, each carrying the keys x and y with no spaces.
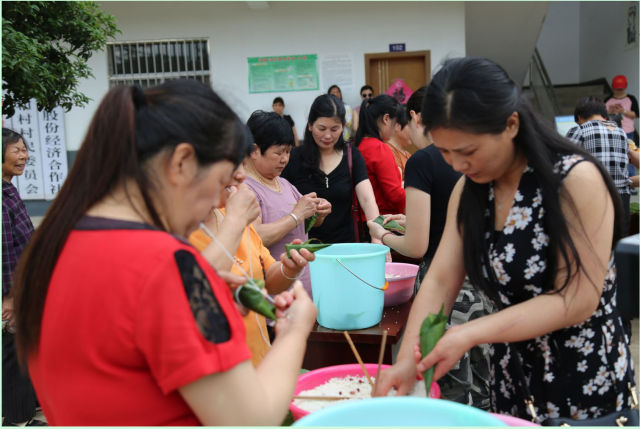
{"x":188,"y":326}
{"x":386,"y":180}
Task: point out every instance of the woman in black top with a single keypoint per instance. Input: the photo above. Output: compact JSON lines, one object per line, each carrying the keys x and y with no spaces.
{"x":321,"y":165}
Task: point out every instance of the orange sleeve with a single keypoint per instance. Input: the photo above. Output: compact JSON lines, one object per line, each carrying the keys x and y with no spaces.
{"x":199,"y":239}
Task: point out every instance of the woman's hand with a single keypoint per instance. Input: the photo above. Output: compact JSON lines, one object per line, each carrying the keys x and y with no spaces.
{"x":306,"y":206}
{"x":295,"y":311}
{"x":448,"y":350}
{"x":323,"y":210}
{"x":234,"y":281}
{"x":402,"y":376}
{"x":242,"y":204}
{"x":299,"y":259}
{"x":375,"y":230}
{"x":400,"y":218}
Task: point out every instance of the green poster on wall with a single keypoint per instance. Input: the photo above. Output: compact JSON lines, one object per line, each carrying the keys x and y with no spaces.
{"x":283,"y":73}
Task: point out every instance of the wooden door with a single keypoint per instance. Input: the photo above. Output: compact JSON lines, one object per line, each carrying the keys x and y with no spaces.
{"x":382,"y":69}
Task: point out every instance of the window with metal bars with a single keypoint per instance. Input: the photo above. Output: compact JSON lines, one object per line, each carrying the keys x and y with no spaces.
{"x":151,"y":62}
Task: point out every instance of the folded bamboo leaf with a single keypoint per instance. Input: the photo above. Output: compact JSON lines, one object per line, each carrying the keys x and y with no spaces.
{"x":392,"y":225}
{"x":311,"y":247}
{"x":253,"y":299}
{"x":310,"y":222}
{"x":431,"y":330}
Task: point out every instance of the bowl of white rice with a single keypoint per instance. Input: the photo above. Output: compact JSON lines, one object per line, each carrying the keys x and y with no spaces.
{"x":401,"y":277}
{"x":346,"y":381}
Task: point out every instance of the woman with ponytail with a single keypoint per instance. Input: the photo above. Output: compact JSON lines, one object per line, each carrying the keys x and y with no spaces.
{"x":120,"y":320}
{"x":532,"y":222}
{"x":378,"y":118}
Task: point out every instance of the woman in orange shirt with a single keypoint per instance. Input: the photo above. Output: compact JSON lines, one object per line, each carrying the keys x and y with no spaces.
{"x":236,"y":234}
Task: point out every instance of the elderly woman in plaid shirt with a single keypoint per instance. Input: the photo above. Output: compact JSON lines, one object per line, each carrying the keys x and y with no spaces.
{"x":19,"y":399}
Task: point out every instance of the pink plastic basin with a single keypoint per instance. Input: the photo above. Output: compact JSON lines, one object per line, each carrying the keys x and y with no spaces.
{"x":513,"y":421}
{"x":400,"y":288}
{"x":314,"y":378}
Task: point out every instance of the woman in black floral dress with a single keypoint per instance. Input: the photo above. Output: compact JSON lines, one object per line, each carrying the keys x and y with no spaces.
{"x":532,"y":222}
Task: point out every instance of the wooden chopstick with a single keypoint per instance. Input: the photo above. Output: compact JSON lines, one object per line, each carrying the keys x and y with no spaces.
{"x":322,"y":398}
{"x":355,"y":352}
{"x":380,"y":357}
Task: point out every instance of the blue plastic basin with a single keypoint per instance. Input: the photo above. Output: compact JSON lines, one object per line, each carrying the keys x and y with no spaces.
{"x":399,"y":411}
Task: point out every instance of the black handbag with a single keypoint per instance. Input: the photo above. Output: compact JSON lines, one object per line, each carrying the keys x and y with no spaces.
{"x":627,"y":417}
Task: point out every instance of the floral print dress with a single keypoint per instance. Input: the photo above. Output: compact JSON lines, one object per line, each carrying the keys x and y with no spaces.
{"x":580,"y":371}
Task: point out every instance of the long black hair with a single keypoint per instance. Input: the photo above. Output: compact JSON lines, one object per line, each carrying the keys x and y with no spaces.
{"x":372,"y":110}
{"x":128,"y":129}
{"x":476,"y":95}
{"x":324,"y":106}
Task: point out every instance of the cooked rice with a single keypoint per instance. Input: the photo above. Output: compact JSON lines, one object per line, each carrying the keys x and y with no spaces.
{"x":352,"y":387}
{"x":389,"y":276}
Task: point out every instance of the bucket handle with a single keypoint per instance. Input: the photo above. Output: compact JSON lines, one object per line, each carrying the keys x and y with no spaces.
{"x":383,"y":288}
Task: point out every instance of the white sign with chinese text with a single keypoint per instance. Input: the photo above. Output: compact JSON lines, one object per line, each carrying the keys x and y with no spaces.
{"x":25,"y":122}
{"x":53,"y":151}
{"x":43,"y":134}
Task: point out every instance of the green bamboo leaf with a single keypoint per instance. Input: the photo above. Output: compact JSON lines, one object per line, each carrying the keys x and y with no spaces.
{"x":431,"y":330}
{"x":392,"y":225}
{"x":311,"y":247}
{"x":310,"y":222}
{"x":253,"y":299}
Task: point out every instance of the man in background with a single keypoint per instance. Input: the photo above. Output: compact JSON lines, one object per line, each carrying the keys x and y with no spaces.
{"x":278,"y":107}
{"x":365,"y":92}
{"x":607,"y":142}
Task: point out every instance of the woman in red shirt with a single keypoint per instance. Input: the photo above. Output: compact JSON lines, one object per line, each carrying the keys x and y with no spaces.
{"x":377,"y":121}
{"x":121,"y":320}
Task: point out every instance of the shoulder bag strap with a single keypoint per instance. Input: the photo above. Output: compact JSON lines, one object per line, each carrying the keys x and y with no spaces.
{"x":355,"y":208}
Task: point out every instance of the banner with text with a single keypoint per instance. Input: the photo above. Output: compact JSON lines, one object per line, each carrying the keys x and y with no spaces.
{"x":283,"y":73}
{"x":44,"y":136}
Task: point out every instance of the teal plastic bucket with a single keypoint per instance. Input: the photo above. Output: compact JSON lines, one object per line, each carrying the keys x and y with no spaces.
{"x":400,"y":411}
{"x":347,"y":281}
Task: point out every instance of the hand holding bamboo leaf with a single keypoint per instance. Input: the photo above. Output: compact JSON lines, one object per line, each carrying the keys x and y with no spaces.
{"x":431,"y":331}
{"x":251,"y":296}
{"x":310,"y":222}
{"x":311,"y":247}
{"x":392,"y":225}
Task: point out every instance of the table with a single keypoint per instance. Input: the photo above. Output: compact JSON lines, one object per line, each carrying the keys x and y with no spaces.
{"x":327,"y":347}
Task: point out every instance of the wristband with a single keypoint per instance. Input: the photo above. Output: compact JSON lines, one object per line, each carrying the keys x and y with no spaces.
{"x":295,"y":218}
{"x":385,"y":234}
{"x":284,"y":275}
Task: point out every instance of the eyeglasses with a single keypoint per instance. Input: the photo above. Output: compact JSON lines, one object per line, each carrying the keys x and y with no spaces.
{"x":366,"y":95}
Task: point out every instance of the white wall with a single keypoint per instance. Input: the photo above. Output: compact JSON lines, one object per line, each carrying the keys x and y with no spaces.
{"x":237,"y":32}
{"x":602,"y":43}
{"x":505,"y":32}
{"x":559,"y":42}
